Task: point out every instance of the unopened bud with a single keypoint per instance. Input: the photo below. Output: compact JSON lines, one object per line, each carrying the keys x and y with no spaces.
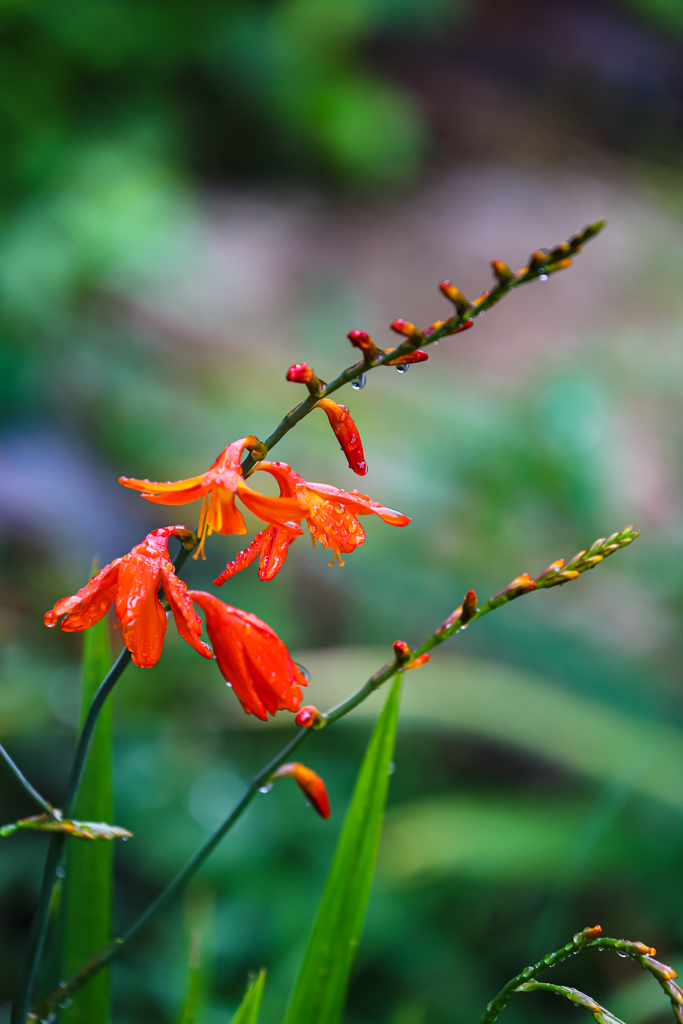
{"x":520,"y":585}
{"x":346,"y":432}
{"x":401,"y":651}
{"x":456,"y":296}
{"x":301,"y":373}
{"x":560,"y":252}
{"x":502,"y":272}
{"x":588,"y":934}
{"x":363,"y":341}
{"x":407,"y":329}
{"x":469,"y":607}
{"x":258,"y":449}
{"x":307,"y":717}
{"x":310,"y":784}
{"x":537,"y":260}
{"x":418,"y":356}
{"x":419,"y":661}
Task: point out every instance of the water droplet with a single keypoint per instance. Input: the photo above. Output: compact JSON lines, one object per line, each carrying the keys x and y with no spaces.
{"x":267,"y":788}
{"x":462,"y":627}
{"x":125,"y":838}
{"x":624,"y":956}
{"x":392,"y":767}
{"x":435,"y":343}
{"x":542,"y":277}
{"x":60,"y":872}
{"x":359,"y":382}
{"x":403,"y":369}
{"x":481,"y":312}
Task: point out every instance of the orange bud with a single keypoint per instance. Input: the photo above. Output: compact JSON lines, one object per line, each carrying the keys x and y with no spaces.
{"x":456,"y":296}
{"x":310,"y":784}
{"x":301,"y":373}
{"x":401,"y":651}
{"x":418,"y":356}
{"x":520,"y":585}
{"x":363,"y":341}
{"x":538,"y":259}
{"x":589,"y":934}
{"x":406,"y":328}
{"x":307,"y":717}
{"x":346,"y":432}
{"x":502,"y":272}
{"x":418,"y":662}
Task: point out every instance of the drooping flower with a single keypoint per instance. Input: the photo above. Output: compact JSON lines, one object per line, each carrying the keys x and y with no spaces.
{"x":310,"y":784}
{"x":252,"y":658}
{"x":133,"y":582}
{"x":332,"y":517}
{"x":218,"y":487}
{"x":346,"y":432}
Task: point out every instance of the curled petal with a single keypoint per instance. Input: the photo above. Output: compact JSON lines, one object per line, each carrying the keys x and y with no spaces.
{"x":346,"y":432}
{"x":274,"y":551}
{"x":360,"y":504}
{"x":310,"y":784}
{"x":275,"y":511}
{"x":138,"y":609}
{"x":188,"y":623}
{"x":242,"y":559}
{"x":88,"y":605}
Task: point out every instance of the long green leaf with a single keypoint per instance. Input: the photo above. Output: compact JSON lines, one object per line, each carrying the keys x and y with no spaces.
{"x":188,"y":1014}
{"x":248,"y":1010}
{"x":88,"y":889}
{"x":320,"y":991}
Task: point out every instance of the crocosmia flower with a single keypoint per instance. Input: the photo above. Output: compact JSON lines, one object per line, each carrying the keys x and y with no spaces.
{"x":133,"y":582}
{"x":346,"y":432}
{"x":218,"y":487}
{"x":310,"y":784}
{"x":252,"y":658}
{"x":331,"y":514}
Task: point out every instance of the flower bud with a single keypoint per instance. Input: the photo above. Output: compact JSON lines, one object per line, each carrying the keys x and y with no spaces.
{"x":502,"y":272}
{"x":406,"y":328}
{"x":520,"y":585}
{"x":469,"y":606}
{"x":301,"y":373}
{"x":537,"y":260}
{"x":418,"y":356}
{"x":363,"y":341}
{"x":422,"y":660}
{"x":588,"y":934}
{"x":401,"y":651}
{"x":307,"y":717}
{"x":456,"y":296}
{"x":346,"y":432}
{"x":310,"y":784}
{"x":258,"y":449}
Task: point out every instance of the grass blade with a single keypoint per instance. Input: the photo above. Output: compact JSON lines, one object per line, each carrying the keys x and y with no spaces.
{"x":320,"y":991}
{"x":188,"y":1014}
{"x":88,"y":882}
{"x":248,"y":1010}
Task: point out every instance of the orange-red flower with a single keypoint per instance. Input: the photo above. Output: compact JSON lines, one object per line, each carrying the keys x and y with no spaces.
{"x":252,"y":658}
{"x":133,"y":582}
{"x":218,"y":487}
{"x":331,"y":514}
{"x":346,"y":432}
{"x":310,"y":784}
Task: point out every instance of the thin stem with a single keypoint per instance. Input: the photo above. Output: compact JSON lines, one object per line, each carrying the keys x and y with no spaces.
{"x":109,"y":953}
{"x":40,"y":800}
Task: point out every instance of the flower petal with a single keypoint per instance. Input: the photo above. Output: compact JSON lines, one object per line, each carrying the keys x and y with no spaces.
{"x":360,"y":504}
{"x":88,"y":605}
{"x":143,"y":620}
{"x":275,"y":511}
{"x":242,"y":559}
{"x":346,"y":432}
{"x":188,"y":623}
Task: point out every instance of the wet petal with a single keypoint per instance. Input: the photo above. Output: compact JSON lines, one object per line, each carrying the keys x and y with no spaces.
{"x":143,"y":620}
{"x":89,"y":604}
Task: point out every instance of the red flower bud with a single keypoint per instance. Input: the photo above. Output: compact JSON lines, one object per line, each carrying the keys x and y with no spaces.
{"x":363,"y":341}
{"x":300,"y":373}
{"x":502,"y":272}
{"x":469,"y":607}
{"x":310,"y":784}
{"x":423,"y":659}
{"x":401,"y":651}
{"x":307,"y":717}
{"x":346,"y":432}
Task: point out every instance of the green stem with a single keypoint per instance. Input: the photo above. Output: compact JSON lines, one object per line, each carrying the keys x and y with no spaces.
{"x":40,"y":800}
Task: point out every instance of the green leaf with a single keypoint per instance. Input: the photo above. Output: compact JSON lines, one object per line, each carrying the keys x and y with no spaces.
{"x":188,"y":1014}
{"x":248,"y":1010}
{"x":77,"y":829}
{"x":320,"y":991}
{"x":88,"y":882}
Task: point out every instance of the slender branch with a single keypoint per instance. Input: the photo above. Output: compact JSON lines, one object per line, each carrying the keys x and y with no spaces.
{"x":32,"y":792}
{"x":537,"y":269}
{"x":454,"y":624}
{"x":589,"y":938}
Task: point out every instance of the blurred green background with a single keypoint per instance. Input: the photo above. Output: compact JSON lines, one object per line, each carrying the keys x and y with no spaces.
{"x":194,"y":196}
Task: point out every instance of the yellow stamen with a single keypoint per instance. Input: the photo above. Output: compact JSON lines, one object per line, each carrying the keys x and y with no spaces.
{"x":202,"y":528}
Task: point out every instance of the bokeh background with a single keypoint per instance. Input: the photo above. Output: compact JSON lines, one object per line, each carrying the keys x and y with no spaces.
{"x":194,"y":196}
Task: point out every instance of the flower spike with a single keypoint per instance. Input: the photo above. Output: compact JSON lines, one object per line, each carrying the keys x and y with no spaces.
{"x":310,"y":784}
{"x":219,"y":486}
{"x":252,"y":658}
{"x":346,"y":432}
{"x":133,"y":582}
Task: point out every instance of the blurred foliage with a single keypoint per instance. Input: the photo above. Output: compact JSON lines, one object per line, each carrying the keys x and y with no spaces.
{"x":541,"y":772}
